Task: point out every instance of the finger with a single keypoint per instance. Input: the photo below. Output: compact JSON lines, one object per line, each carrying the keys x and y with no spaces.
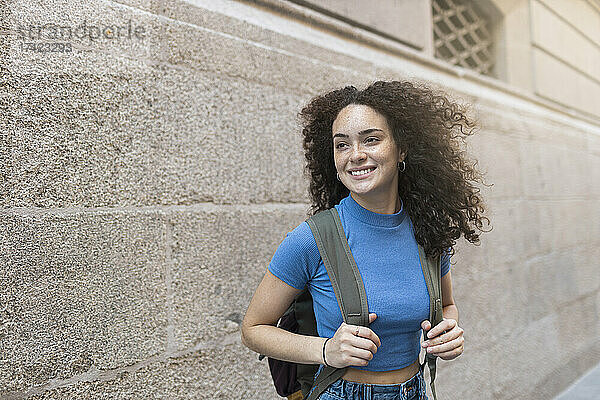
{"x":363,"y":331}
{"x":426,"y":325}
{"x":342,"y":327}
{"x":359,"y":362}
{"x":445,"y":325}
{"x":369,"y":334}
{"x":356,"y":330}
{"x":361,"y":353}
{"x":443,"y":338}
{"x":445,"y":347}
{"x":372,"y":317}
{"x":451,"y":354}
{"x":366,"y":344}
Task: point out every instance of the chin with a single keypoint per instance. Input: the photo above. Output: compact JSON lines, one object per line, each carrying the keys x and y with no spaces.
{"x":360,"y":192}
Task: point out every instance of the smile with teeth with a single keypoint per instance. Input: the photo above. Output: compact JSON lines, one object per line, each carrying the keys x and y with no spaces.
{"x":361,"y":172}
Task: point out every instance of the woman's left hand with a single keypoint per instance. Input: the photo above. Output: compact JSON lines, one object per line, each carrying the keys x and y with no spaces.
{"x":444,"y":340}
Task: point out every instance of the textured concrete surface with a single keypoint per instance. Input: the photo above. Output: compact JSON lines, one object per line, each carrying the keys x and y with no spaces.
{"x":229,"y":371}
{"x":174,"y":138}
{"x":146,"y":184}
{"x":79,"y":291}
{"x":112,"y":300}
{"x":219,"y":257}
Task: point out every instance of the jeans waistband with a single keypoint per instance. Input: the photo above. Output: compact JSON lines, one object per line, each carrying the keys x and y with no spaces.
{"x":348,"y":386}
{"x":344,"y":386}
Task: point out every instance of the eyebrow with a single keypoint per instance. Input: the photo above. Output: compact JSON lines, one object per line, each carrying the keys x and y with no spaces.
{"x":366,"y":131}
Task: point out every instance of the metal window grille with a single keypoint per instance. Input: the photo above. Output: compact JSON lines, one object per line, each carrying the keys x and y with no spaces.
{"x":461,"y":34}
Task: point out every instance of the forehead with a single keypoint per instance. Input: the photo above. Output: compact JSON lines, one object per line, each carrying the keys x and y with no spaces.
{"x":357,"y":117}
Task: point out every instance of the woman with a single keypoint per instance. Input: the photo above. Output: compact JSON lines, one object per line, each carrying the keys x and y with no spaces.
{"x":388,"y":159}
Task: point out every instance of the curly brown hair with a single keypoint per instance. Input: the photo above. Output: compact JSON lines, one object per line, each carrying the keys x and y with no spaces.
{"x":437,"y":188}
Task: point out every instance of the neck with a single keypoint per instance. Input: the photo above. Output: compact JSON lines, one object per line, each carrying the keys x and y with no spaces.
{"x":387,"y":204}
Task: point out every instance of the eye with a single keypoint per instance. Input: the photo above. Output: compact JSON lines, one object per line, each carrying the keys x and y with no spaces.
{"x":371,"y":139}
{"x":339,"y":145}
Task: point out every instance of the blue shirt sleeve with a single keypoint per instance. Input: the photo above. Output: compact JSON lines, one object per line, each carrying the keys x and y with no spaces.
{"x":446,"y":262}
{"x":296,"y":258}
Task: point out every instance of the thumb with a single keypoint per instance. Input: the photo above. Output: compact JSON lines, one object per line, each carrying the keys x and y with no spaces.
{"x":426,"y":325}
{"x":372,"y":317}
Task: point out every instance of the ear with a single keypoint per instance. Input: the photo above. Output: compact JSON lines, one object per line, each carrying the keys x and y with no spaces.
{"x":401,"y":155}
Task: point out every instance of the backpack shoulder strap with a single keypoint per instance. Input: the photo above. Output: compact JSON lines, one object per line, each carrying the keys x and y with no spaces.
{"x":433,"y":278}
{"x":344,"y":275}
{"x":345,"y":280}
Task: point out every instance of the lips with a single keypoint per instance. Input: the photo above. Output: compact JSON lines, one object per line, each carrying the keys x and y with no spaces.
{"x":361,"y":168}
{"x":363,"y":175}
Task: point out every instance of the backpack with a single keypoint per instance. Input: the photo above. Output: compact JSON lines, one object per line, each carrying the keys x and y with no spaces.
{"x":295,"y":381}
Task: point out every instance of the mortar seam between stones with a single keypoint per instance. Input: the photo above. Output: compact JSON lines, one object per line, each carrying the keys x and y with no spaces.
{"x":96,"y":375}
{"x":243,"y":40}
{"x":205,"y":206}
{"x":169,"y":265}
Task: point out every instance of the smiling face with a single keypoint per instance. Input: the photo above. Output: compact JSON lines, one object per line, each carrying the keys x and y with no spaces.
{"x":366,"y":155}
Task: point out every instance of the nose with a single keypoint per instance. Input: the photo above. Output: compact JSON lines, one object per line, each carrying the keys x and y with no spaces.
{"x":358,"y":153}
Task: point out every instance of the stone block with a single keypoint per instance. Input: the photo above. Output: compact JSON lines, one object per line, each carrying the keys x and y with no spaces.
{"x":254,"y":25}
{"x":500,"y":119}
{"x":493,"y":295}
{"x":593,"y":174}
{"x":523,"y":358}
{"x":564,"y":375}
{"x":469,"y":259}
{"x":562,"y":219}
{"x":169,"y":43}
{"x":551,"y":171}
{"x":496,"y":156}
{"x":580,"y":14}
{"x":559,"y":279}
{"x":586,"y":276}
{"x":536,"y":228}
{"x":563,"y":40}
{"x":558,"y":37}
{"x":79,"y":290}
{"x":473,"y":366}
{"x":183,"y":138}
{"x":506,"y":242}
{"x":220,"y":256}
{"x":596,"y":307}
{"x":575,"y":326}
{"x":557,"y":224}
{"x":226,"y":372}
{"x":573,"y":89}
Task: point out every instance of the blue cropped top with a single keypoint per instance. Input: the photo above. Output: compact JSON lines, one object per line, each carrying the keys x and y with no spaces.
{"x":387,"y":256}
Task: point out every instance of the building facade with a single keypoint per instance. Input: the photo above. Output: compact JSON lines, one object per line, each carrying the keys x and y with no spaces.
{"x":152,"y":162}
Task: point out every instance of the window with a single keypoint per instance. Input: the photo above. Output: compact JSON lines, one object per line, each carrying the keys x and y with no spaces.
{"x":462,"y":35}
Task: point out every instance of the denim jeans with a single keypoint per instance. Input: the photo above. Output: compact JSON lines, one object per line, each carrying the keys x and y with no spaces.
{"x":412,"y":389}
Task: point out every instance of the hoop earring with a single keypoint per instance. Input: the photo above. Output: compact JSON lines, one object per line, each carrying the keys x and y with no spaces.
{"x":338,"y":176}
{"x":403,"y":166}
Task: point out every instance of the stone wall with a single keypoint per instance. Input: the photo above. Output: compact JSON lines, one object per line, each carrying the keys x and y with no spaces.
{"x":146,"y":183}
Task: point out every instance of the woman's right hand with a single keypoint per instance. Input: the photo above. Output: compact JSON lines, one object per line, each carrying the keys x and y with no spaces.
{"x":346,"y":348}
